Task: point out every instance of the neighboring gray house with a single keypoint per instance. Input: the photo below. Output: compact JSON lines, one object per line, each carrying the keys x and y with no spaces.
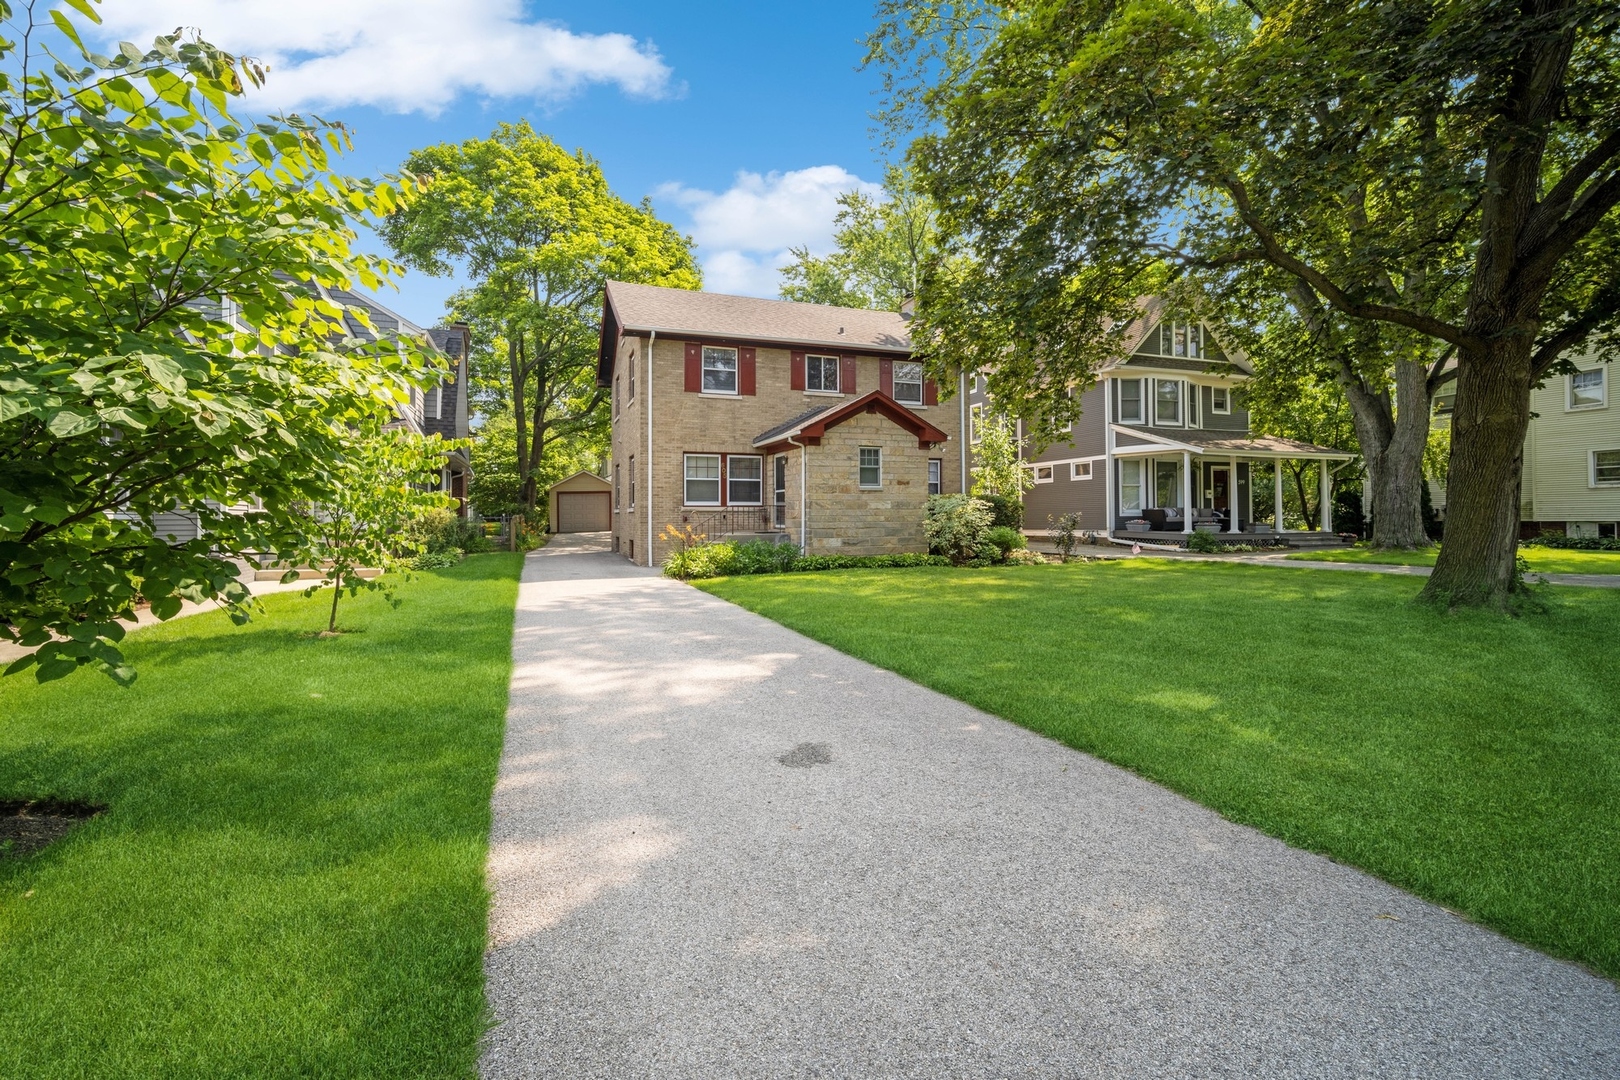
{"x":440,"y":411}
{"x":1161,"y":445}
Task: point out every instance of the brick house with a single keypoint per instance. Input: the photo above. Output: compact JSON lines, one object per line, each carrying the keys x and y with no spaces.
{"x":797,"y":423}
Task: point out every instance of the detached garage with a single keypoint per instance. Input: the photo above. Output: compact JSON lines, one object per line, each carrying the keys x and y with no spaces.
{"x":581,"y":503}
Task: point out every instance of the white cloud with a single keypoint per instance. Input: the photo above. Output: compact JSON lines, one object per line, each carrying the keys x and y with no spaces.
{"x":416,"y":56}
{"x":744,"y":232}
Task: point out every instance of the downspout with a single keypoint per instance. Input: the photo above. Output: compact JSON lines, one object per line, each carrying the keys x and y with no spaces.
{"x":652,"y":340}
{"x":804,"y":476}
{"x":961,"y":431}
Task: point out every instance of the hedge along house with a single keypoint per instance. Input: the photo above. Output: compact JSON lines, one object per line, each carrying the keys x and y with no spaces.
{"x":1162,"y":445}
{"x":737,"y":417}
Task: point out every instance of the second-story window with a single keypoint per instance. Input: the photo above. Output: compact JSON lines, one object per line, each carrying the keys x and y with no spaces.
{"x":1586,"y":390}
{"x":1130,"y":401}
{"x":1181,"y":339}
{"x":821,"y":373}
{"x":908,"y":383}
{"x":719,"y":370}
{"x":1167,"y":401}
{"x":1220,"y":400}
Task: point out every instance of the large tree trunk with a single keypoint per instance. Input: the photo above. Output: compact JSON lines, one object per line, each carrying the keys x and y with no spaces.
{"x":1477,"y":566}
{"x":1398,"y":501}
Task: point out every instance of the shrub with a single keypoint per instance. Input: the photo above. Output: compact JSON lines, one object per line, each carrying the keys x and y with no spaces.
{"x":869,"y":562}
{"x":1574,"y":543}
{"x":1204,"y":542}
{"x":1064,"y":538}
{"x":956,"y":526}
{"x":759,"y":557}
{"x":1024,"y":557}
{"x":471,"y":539}
{"x":435,"y":531}
{"x":436,"y":560}
{"x":1006,"y":511}
{"x":1004,"y":540}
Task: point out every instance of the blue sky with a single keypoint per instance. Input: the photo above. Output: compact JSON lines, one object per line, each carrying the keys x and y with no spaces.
{"x":742,"y":121}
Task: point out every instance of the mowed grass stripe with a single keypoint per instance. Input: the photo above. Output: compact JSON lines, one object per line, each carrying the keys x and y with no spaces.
{"x":289,"y":880}
{"x":1473,"y":759}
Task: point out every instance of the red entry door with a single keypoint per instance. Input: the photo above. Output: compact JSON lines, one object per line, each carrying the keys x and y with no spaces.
{"x":1220,"y":483}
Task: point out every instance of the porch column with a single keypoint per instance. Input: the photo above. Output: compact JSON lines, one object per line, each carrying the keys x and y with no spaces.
{"x":1108,"y":480}
{"x":1276,"y":476}
{"x":1186,"y":492}
{"x":1327,"y":499}
{"x":1232,"y":496}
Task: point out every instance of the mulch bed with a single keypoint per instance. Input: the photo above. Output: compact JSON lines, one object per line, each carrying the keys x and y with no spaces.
{"x":28,"y":825}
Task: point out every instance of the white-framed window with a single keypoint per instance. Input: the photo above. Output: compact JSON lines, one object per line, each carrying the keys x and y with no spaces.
{"x":908,"y":382}
{"x":702,"y":480}
{"x":1606,"y":468}
{"x":1181,"y":339}
{"x":1130,"y":485}
{"x":871,"y":467}
{"x":1587,"y":390}
{"x":935,"y":467}
{"x":821,"y":374}
{"x":719,"y":370}
{"x":1079,"y":470}
{"x":1043,"y":474}
{"x":1130,"y":400}
{"x":975,"y":421}
{"x":745,"y":480}
{"x":632,"y":482}
{"x":1220,"y":400}
{"x":1167,"y":402}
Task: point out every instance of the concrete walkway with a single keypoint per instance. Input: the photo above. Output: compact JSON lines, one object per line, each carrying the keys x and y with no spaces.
{"x":681,"y":890}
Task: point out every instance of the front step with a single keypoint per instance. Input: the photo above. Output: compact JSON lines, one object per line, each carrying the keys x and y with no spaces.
{"x":1312,"y":541}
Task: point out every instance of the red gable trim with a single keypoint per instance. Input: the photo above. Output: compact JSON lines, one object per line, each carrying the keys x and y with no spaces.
{"x":874,"y":401}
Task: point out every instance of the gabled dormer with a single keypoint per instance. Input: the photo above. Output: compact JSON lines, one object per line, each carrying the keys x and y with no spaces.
{"x":1179,"y":376}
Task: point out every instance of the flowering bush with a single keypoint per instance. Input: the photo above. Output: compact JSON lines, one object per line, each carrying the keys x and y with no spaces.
{"x":1024,"y":557}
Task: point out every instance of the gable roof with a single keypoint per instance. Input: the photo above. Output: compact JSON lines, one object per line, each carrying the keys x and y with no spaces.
{"x":811,"y":426}
{"x":642,"y":309}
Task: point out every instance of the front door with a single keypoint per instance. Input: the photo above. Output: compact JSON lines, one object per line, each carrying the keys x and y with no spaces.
{"x":1220,"y":483}
{"x":781,"y":491}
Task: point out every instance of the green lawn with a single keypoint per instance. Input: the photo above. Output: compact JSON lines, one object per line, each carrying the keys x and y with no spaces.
{"x":1474,"y":759}
{"x":1546,"y":560}
{"x":289,"y":878}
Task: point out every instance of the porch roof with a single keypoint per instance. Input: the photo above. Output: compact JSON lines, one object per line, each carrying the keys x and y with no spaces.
{"x":1248,"y":446}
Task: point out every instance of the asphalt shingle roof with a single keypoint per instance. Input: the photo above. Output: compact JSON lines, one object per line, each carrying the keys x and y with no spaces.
{"x":677,"y":311}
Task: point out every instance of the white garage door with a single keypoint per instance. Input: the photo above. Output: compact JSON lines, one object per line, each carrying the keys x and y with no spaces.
{"x":583,"y":511}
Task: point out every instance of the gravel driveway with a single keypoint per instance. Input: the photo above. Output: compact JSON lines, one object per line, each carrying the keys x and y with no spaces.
{"x":721,"y":849}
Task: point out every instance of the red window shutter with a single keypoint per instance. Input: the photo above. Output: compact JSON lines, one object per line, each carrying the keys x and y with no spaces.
{"x":846,"y":374}
{"x":745,"y":371}
{"x":796,"y":371}
{"x":886,"y":376}
{"x":694,"y":368}
{"x":930,"y":392}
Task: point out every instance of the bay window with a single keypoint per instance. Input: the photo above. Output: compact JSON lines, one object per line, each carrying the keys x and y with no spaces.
{"x":1130,"y":400}
{"x":1167,"y":402}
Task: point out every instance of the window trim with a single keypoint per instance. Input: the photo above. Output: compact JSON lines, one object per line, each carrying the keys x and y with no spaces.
{"x":1592,"y":480}
{"x":895,"y":381}
{"x":736,"y":372}
{"x":861,"y":467}
{"x":1181,"y":403}
{"x":936,"y":476}
{"x":727,"y":479}
{"x":1075,"y":470}
{"x":1119,"y":401}
{"x":719,"y":479}
{"x":1603,"y":390}
{"x":976,"y":423}
{"x":837,"y":369}
{"x":1220,"y":410}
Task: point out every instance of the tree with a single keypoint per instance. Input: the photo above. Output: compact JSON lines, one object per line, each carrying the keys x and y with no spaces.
{"x":882,"y":247}
{"x":540,"y":232}
{"x":999,"y":470}
{"x":384,"y":487}
{"x":163,"y":344}
{"x":1448,"y":172}
{"x":496,"y":486}
{"x":1291,"y":402}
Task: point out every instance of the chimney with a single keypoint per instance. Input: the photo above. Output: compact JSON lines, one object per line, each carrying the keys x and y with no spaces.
{"x":908,"y":307}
